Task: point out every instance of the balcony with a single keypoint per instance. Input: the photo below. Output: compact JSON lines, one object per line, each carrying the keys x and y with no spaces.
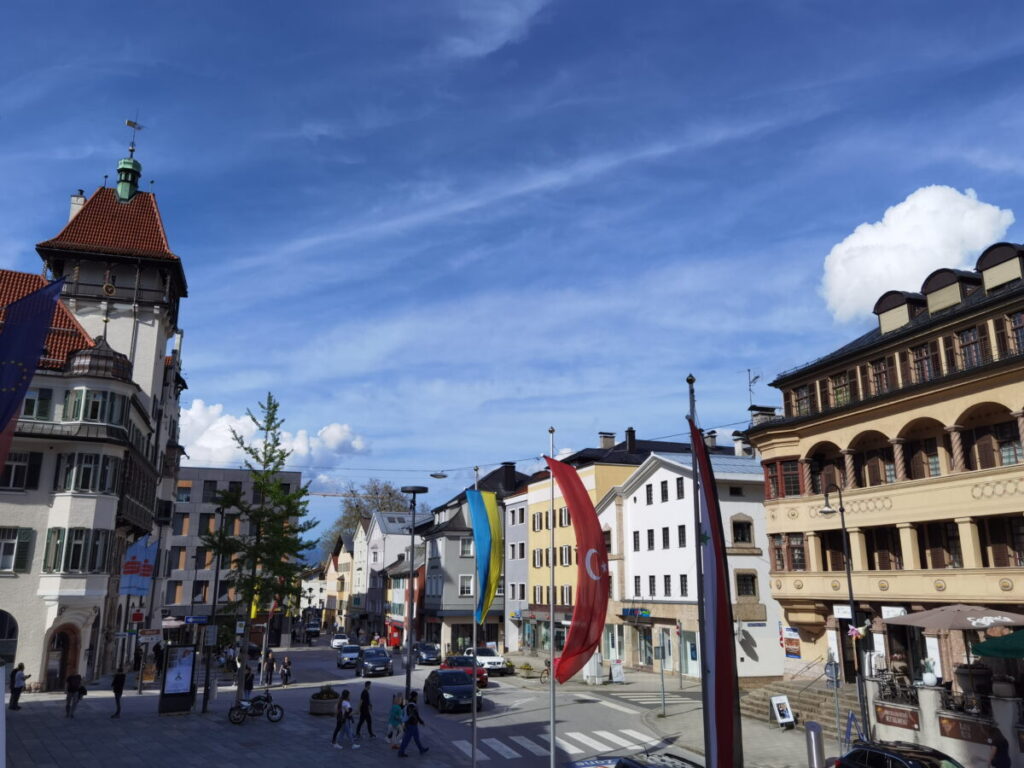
{"x":947,"y":585}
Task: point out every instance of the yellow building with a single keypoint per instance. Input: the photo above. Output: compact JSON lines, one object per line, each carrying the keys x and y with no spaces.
{"x":600,"y":469}
{"x":919,"y":421}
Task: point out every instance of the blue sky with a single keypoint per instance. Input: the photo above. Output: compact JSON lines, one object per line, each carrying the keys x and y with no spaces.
{"x":435,"y":229}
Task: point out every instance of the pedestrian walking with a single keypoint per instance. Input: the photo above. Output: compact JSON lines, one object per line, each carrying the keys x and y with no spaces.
{"x":365,"y":712}
{"x":158,"y":657}
{"x":286,"y":671}
{"x":73,"y":693}
{"x":999,"y":757}
{"x":412,"y":723}
{"x":268,"y":669}
{"x":395,"y":720}
{"x":117,"y":686}
{"x":248,"y":681}
{"x":18,"y":678}
{"x":343,"y":722}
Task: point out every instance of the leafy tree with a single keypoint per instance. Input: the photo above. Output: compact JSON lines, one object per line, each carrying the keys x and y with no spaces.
{"x":359,"y":502}
{"x":267,"y":560}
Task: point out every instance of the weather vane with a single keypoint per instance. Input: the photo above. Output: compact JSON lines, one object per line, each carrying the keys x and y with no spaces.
{"x":135,"y":126}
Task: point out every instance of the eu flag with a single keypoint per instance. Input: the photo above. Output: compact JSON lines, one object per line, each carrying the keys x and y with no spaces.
{"x":25,"y":325}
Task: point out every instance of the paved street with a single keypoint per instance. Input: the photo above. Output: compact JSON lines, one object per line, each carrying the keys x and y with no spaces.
{"x":513,"y":727}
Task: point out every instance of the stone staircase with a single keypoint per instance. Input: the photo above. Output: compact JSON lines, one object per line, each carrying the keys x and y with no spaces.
{"x":809,"y":700}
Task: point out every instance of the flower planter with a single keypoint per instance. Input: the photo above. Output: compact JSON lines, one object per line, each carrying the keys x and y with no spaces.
{"x":323,"y":706}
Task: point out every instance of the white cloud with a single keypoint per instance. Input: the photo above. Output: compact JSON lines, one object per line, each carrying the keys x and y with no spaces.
{"x":936,"y":226}
{"x":206,"y":435}
{"x":489,"y":25}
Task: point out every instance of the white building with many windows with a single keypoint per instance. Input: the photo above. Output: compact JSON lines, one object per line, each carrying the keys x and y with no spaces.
{"x":649,"y":526}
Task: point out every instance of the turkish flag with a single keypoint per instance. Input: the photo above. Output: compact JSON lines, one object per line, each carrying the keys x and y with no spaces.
{"x":592,"y":579}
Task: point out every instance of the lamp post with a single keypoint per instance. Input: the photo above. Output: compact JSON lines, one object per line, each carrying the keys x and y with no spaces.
{"x":861,"y":696}
{"x":216,"y":596}
{"x":412,"y":490}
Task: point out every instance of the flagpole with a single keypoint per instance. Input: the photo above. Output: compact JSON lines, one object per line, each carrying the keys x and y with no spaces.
{"x":698,"y":541}
{"x":476,"y":576}
{"x":551,"y":600}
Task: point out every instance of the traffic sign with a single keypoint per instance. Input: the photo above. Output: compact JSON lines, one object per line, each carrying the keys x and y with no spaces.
{"x":148,"y":632}
{"x":196,"y":619}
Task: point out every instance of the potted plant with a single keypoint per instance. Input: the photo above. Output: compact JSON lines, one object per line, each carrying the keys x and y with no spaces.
{"x":324,"y":701}
{"x":928,"y":677}
{"x":526,"y":670}
{"x":1003,"y":686}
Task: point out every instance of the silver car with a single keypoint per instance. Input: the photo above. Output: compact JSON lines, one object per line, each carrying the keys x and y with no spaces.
{"x":347,"y":656}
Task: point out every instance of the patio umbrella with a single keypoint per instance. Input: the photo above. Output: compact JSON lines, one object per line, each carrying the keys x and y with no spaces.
{"x":959,"y":616}
{"x":1007,"y":647}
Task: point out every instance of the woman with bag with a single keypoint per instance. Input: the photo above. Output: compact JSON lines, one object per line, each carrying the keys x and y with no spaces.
{"x":395,"y":720}
{"x":344,"y":722}
{"x":286,"y":671}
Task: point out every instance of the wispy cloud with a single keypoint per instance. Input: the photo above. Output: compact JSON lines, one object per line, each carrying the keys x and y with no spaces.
{"x":485,"y":26}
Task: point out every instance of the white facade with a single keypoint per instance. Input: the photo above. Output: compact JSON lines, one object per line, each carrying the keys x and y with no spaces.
{"x":517,"y":555}
{"x":650,"y":522}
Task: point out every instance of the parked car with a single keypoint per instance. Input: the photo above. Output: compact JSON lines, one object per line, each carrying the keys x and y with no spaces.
{"x":894,"y":754}
{"x":347,"y":656}
{"x":489,"y":659}
{"x":339,"y":640}
{"x":426,"y":653}
{"x":448,"y":689}
{"x":374,"y":661}
{"x":313,"y":630}
{"x":465,"y":663}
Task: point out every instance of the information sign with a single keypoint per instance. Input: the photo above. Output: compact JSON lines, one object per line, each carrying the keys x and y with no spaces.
{"x":196,"y":619}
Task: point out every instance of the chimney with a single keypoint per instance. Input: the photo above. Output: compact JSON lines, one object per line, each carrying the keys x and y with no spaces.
{"x":606,"y":439}
{"x":630,"y":440}
{"x":711,"y":438}
{"x":759,"y":414}
{"x":739,"y":444}
{"x":77,"y":201}
{"x":508,"y":476}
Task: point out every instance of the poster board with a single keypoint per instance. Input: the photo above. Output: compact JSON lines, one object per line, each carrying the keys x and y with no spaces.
{"x":177,"y":689}
{"x":782,"y":712}
{"x":618,"y":675}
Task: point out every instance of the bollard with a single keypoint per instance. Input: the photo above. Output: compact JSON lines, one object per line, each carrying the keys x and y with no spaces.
{"x":815,"y":745}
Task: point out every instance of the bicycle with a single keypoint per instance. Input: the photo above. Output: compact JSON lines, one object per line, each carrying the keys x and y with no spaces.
{"x":545,"y":674}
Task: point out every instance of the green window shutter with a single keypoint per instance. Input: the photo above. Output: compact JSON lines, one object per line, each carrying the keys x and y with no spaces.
{"x":23,"y":551}
{"x":35,"y":463}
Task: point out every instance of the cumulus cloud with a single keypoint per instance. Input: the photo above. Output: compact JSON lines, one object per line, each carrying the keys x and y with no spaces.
{"x":936,"y":226}
{"x":488,"y":25}
{"x":206,"y":435}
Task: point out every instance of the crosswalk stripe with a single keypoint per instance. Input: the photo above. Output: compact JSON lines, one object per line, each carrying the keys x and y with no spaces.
{"x":613,"y":705}
{"x":466,"y":747}
{"x":564,"y":745}
{"x":528,"y":745}
{"x":643,"y":738}
{"x":582,"y":738}
{"x":609,"y":736}
{"x":507,"y":752}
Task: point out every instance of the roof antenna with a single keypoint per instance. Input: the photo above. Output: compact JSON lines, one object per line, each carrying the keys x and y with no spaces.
{"x":135,"y":126}
{"x":151,"y":183}
{"x":752,"y":379}
{"x":105,"y":176}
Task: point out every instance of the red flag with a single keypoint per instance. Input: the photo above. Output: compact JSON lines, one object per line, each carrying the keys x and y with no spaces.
{"x":592,"y":577}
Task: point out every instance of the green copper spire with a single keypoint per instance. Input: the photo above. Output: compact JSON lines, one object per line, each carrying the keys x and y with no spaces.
{"x":128,"y":171}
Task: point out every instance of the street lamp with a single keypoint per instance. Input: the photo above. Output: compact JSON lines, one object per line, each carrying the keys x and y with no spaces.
{"x":216,"y":597}
{"x":412,"y":490}
{"x":861,"y":696}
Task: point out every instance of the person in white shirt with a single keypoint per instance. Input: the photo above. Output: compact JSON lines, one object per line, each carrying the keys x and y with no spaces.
{"x":18,"y":678}
{"x":344,"y":722}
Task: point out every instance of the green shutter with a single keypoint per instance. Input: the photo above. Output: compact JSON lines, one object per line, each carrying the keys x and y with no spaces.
{"x":35,"y":463}
{"x":23,"y":551}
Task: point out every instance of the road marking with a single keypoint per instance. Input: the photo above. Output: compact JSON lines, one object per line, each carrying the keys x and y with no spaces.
{"x":643,"y":738}
{"x":528,"y":745}
{"x":582,"y":738}
{"x":466,"y":747}
{"x":619,"y":707}
{"x":507,"y":752}
{"x":609,"y":736}
{"x":564,"y":745}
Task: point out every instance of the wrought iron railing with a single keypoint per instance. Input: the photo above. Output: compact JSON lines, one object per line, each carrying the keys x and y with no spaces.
{"x":896,"y":690}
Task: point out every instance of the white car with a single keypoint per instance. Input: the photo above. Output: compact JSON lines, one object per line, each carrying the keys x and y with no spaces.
{"x":339,"y":640}
{"x":489,"y":659}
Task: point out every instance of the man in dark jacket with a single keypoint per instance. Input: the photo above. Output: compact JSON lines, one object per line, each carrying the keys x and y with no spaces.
{"x":118,"y":688}
{"x":412,"y":726}
{"x":365,"y":710}
{"x":73,"y":692}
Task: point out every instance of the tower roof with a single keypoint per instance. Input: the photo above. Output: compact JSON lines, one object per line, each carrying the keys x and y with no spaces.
{"x":109,"y":225}
{"x":65,"y":336}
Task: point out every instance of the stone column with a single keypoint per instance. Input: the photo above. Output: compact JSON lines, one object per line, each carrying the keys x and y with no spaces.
{"x":970,"y":541}
{"x":908,"y":543}
{"x":897,"y":452}
{"x":959,"y":465}
{"x":858,"y":550}
{"x":851,"y":473}
{"x":812,"y":551}
{"x":805,"y":476}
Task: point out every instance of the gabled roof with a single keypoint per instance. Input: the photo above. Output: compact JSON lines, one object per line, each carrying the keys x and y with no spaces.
{"x":618,"y":454}
{"x":65,"y":336}
{"x":492,"y":481}
{"x":108,"y":225}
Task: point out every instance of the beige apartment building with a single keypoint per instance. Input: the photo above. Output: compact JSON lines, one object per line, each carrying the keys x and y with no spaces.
{"x":920,"y":423}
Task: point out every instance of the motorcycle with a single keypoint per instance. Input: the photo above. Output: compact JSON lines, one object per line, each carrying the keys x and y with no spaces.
{"x":260,"y":704}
